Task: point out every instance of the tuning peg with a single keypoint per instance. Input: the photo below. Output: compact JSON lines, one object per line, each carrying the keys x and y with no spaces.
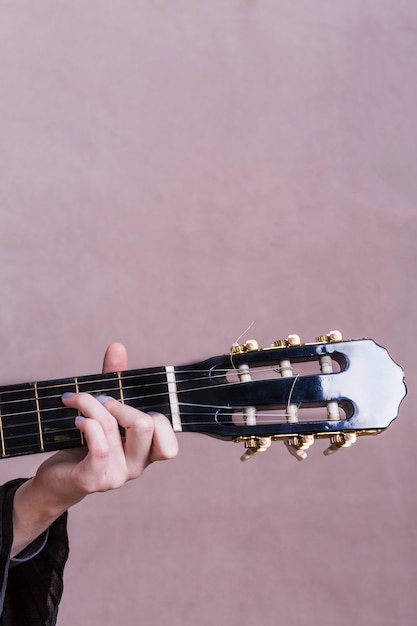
{"x":254,"y":445}
{"x":291,"y":340}
{"x":341,"y":440}
{"x":300,"y":455}
{"x":298,"y":445}
{"x":333,"y":335}
{"x":250,"y":346}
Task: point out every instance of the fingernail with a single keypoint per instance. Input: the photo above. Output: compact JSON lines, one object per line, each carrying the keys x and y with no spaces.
{"x":79,"y":418}
{"x":152,"y":412}
{"x":102,"y":398}
{"x":67,"y":394}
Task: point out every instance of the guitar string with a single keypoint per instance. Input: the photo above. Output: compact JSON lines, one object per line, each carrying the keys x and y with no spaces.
{"x":71,"y":428}
{"x":70,"y":418}
{"x":126,"y":376}
{"x":42,"y":398}
{"x":214,"y":373}
{"x":111,"y":378}
{"x":278,"y":417}
{"x":74,"y":430}
{"x":108,"y":391}
{"x":112,"y":384}
{"x":64,"y":409}
{"x":103,"y":379}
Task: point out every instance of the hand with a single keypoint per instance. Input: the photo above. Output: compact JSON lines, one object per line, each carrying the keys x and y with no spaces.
{"x":108,"y":462}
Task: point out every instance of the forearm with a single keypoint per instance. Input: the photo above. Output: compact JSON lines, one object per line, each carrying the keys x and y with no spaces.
{"x":33,"y":512}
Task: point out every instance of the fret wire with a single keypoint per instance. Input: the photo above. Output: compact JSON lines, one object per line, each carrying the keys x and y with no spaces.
{"x":119,"y":378}
{"x":77,"y":389}
{"x":3,"y":447}
{"x":35,"y":387}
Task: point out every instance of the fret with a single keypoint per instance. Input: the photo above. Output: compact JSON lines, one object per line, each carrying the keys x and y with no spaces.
{"x":77,"y":389}
{"x":119,"y":380}
{"x":3,"y":448}
{"x":20,"y":420}
{"x":34,"y":419}
{"x":106,"y":384}
{"x":58,"y":422}
{"x":38,"y":415}
{"x":146,"y":390}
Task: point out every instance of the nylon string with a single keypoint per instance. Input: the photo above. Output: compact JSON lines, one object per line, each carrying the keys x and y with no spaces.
{"x":129,"y":376}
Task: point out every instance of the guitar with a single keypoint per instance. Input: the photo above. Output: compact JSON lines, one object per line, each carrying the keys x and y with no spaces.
{"x":292,"y":391}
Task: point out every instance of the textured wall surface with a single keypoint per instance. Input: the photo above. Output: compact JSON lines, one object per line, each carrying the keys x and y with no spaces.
{"x":169,"y":174}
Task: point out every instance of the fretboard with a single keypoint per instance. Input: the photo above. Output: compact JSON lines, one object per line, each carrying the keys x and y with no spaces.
{"x":33,"y":418}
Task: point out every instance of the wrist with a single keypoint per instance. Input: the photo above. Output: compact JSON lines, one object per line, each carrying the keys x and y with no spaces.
{"x":50,"y":495}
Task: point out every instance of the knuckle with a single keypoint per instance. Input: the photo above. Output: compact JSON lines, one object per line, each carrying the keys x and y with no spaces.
{"x":109,"y":425}
{"x":143,"y":424}
{"x":101,"y":453}
{"x":113,"y":483}
{"x":106,"y":482}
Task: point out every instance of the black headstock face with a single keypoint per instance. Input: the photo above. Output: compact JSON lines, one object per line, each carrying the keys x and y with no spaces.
{"x":295,"y":393}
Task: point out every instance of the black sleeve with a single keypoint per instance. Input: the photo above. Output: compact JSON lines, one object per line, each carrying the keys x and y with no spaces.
{"x":30,"y":590}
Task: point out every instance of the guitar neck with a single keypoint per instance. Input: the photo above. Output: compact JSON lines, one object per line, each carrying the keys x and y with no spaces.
{"x":33,"y":418}
{"x":251,"y":395}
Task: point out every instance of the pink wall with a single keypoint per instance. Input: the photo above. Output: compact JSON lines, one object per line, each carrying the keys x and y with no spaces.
{"x":169,"y":173}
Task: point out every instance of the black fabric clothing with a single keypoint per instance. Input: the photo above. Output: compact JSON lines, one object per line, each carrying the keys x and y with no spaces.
{"x":31,"y":586}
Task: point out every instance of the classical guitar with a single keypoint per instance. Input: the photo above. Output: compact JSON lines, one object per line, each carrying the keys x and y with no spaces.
{"x":292,"y":391}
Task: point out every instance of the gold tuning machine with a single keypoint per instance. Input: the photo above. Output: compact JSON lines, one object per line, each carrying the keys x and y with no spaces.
{"x":254,"y":445}
{"x":333,"y":335}
{"x":250,"y":346}
{"x":291,"y":340}
{"x":298,"y":445}
{"x":340,"y":440}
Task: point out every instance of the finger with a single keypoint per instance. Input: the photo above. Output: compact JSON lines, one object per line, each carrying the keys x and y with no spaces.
{"x":104,"y":467}
{"x":147,"y":435}
{"x":139,"y":432}
{"x":94,"y":436}
{"x":115,"y":358}
{"x":93,"y":408}
{"x":165,"y":443}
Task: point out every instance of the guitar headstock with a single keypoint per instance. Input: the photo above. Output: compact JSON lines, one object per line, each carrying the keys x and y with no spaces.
{"x":296,"y":393}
